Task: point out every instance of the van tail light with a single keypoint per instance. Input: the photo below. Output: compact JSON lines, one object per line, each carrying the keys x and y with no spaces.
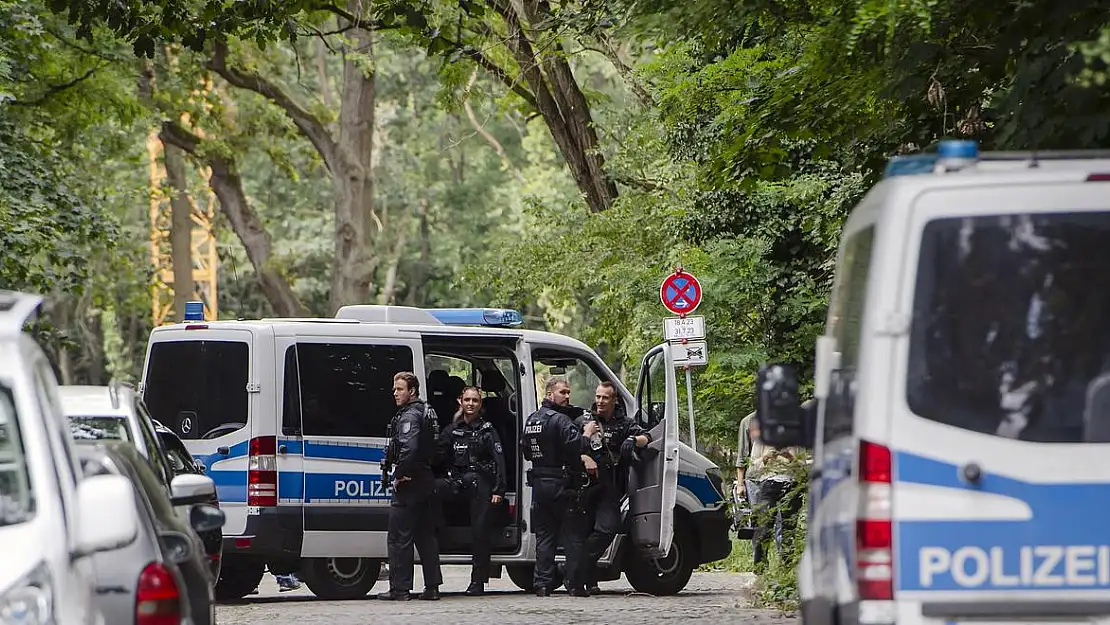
{"x":157,"y":598}
{"x":1098,"y":177}
{"x":262,"y":472}
{"x":874,"y":530}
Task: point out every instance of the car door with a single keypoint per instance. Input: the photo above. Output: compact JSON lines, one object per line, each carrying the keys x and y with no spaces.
{"x":653,"y":482}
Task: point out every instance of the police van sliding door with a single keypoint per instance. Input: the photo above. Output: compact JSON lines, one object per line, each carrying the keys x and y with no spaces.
{"x":1000,"y":403}
{"x":346,"y":386}
{"x":653,"y":482}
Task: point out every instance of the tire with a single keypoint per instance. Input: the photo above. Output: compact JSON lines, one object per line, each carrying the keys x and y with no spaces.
{"x":238,"y":577}
{"x":522,"y":575}
{"x":665,"y":576}
{"x":339,"y":579}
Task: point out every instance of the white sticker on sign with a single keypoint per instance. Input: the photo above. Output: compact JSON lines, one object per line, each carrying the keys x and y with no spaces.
{"x":692,"y":353}
{"x":690,"y":328}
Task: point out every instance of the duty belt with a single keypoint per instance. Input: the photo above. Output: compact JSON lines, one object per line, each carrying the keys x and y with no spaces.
{"x":549,"y":471}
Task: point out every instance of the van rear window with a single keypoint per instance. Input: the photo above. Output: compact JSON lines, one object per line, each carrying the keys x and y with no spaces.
{"x":198,"y":387}
{"x":1011,"y":326}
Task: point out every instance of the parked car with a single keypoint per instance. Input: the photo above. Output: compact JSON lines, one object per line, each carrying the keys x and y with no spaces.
{"x":162,"y":577}
{"x":52,"y":518}
{"x":117,"y":412}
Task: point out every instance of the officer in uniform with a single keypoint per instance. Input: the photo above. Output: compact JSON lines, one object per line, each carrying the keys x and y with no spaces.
{"x":598,"y":517}
{"x":554,"y":445}
{"x":414,"y":510}
{"x":476,"y":475}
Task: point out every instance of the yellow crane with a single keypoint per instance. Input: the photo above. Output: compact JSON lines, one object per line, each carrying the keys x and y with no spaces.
{"x":203,"y":244}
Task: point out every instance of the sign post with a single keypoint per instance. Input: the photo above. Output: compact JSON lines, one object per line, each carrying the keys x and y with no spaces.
{"x":680,"y":293}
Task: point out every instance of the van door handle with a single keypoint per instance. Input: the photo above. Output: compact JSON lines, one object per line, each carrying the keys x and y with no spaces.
{"x":223,"y":451}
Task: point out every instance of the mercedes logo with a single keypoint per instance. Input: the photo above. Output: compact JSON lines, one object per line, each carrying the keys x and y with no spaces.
{"x":186,"y":425}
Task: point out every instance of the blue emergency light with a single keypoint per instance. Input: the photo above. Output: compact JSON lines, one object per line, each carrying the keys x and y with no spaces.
{"x":477,"y":316}
{"x":952,"y":153}
{"x":194,"y":311}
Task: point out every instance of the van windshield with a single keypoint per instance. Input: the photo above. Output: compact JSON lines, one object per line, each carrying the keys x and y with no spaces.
{"x":17,"y":502}
{"x":198,"y":387}
{"x":1011,"y":326}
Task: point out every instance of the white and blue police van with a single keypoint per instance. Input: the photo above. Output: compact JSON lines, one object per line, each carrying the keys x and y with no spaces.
{"x":289,"y":417}
{"x":962,"y":424}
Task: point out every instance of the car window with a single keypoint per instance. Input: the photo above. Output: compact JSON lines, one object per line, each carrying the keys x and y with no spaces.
{"x":347,"y":389}
{"x":17,"y":501}
{"x":197,"y":387}
{"x":151,"y":489}
{"x":1011,"y":326}
{"x":99,"y":428}
{"x":156,"y":455}
{"x":581,"y":374}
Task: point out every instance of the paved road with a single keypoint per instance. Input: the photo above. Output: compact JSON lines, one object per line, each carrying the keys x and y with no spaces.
{"x":709,"y":598}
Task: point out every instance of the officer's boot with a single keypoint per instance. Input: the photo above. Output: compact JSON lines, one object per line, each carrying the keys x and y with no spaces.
{"x":475,"y":589}
{"x":431,"y":593}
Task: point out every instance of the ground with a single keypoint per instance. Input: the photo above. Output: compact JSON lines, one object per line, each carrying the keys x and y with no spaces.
{"x":716,"y":598}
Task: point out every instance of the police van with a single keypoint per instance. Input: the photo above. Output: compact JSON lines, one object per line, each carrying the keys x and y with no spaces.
{"x":289,"y":417}
{"x":962,"y":423}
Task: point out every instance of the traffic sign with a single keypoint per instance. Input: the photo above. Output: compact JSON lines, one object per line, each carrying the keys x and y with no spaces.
{"x":680,"y":292}
{"x":692,"y":353}
{"x":684,"y":328}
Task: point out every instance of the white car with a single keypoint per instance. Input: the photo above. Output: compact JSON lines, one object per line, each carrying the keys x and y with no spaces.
{"x":51,"y":520}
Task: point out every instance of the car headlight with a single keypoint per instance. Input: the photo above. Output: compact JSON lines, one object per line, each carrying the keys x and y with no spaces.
{"x":30,"y":601}
{"x":717,"y":480}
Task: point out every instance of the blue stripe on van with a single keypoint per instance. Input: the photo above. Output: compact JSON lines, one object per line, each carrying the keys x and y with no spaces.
{"x":700,"y":487}
{"x":1055,"y":540}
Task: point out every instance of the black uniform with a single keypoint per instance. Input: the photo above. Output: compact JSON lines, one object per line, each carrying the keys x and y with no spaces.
{"x":476,"y":472}
{"x":598,"y":517}
{"x":414,"y":511}
{"x":553,"y":443}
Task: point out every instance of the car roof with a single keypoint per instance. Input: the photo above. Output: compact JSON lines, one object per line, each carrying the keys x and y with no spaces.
{"x":94,"y":401}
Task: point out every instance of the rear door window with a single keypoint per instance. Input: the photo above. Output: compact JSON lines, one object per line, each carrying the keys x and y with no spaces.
{"x":1011,"y":326}
{"x":198,"y":388}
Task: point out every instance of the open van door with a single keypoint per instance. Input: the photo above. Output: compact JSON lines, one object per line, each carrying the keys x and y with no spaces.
{"x":653,"y":481}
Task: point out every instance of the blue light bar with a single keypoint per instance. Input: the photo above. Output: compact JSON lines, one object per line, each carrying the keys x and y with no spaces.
{"x":194,"y":311}
{"x":958,"y":149}
{"x":912,"y":165}
{"x":477,"y":316}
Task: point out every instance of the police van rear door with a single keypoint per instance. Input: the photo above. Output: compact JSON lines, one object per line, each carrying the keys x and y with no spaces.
{"x":1001,"y":403}
{"x":653,"y":482}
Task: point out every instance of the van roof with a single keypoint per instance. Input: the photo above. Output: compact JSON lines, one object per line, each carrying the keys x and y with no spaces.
{"x":352,"y":328}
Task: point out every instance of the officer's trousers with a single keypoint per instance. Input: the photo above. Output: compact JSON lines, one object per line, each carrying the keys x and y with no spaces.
{"x":551,"y":524}
{"x":414,"y":516}
{"x":476,"y":492}
{"x":594,"y":524}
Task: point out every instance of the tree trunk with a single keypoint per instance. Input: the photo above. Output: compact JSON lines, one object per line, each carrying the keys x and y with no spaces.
{"x":416,"y":293}
{"x":228,"y":187}
{"x":355,"y":261}
{"x":181,"y":228}
{"x":560,"y":102}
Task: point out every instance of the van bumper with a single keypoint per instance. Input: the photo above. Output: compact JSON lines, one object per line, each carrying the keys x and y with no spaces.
{"x":273,"y":533}
{"x":711,"y":529}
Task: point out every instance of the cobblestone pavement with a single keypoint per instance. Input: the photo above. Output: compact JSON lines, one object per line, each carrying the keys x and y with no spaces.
{"x":716,"y":598}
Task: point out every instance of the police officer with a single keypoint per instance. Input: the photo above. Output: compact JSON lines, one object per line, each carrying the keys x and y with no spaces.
{"x":554,"y":445}
{"x":414,"y":510}
{"x":598,"y":518}
{"x":476,"y":475}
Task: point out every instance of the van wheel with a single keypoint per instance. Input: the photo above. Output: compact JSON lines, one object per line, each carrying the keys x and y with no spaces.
{"x":340,"y":578}
{"x":238,"y":577}
{"x":665,"y":576}
{"x":523,"y":575}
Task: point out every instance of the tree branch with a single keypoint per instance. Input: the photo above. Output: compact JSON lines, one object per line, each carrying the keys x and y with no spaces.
{"x":306,"y":122}
{"x":228,"y":187}
{"x":56,"y":89}
{"x":498,"y":72}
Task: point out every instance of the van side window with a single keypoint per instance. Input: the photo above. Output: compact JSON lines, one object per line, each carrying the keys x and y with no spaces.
{"x":291,"y":394}
{"x":579,"y":372}
{"x":347,"y":389}
{"x":846,"y":325}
